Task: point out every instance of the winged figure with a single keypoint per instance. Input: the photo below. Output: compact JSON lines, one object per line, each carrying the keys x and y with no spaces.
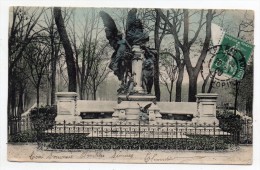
{"x":121,"y":59}
{"x":144,"y":111}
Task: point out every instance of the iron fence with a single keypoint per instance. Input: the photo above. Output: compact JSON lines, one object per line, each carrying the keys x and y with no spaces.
{"x":128,"y":135}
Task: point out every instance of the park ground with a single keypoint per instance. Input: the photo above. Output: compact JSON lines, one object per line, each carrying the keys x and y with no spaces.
{"x":31,"y":153}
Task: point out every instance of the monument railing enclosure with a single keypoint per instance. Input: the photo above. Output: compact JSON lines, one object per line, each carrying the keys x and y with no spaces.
{"x":126,"y":135}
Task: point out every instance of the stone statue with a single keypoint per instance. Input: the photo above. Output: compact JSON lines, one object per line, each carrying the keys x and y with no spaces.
{"x":144,"y":115}
{"x":121,"y":59}
{"x":148,"y":68}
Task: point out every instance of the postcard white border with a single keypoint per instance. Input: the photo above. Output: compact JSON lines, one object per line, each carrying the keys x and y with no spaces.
{"x":227,"y":4}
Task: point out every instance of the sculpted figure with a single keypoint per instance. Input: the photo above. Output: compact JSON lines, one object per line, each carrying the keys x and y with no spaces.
{"x":121,"y":59}
{"x":148,"y":68}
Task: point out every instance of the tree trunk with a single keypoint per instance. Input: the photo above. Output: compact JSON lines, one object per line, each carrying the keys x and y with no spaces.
{"x":193,"y":72}
{"x":48,"y":92}
{"x":157,"y":43}
{"x":71,"y":67}
{"x":94,"y":90}
{"x":12,"y":99}
{"x":179,"y":83}
{"x":249,"y":105}
{"x":211,"y":82}
{"x":171,"y":90}
{"x":192,"y":88}
{"x":37,"y":96}
{"x":54,"y":56}
{"x":95,"y":94}
{"x":157,"y":90}
{"x":20,"y":101}
{"x":53,"y":82}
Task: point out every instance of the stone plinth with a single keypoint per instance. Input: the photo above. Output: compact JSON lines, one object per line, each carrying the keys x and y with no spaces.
{"x":154,"y":114}
{"x":128,"y":108}
{"x":206,"y":108}
{"x":137,"y":64}
{"x":67,"y":107}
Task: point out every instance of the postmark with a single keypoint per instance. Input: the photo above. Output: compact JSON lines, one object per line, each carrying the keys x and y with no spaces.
{"x":231,"y":57}
{"x":227,"y":61}
{"x":227,"y":64}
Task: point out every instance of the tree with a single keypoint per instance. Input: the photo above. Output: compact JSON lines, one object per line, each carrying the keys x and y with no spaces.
{"x":55,"y":44}
{"x":176,"y":54}
{"x":22,"y":84}
{"x":37,"y":56}
{"x":71,"y":67}
{"x":153,"y":22}
{"x":85,"y":42}
{"x":99,"y":71}
{"x":186,"y":43}
{"x":23,"y":30}
{"x":168,"y":73}
{"x":157,"y":41}
{"x":245,"y":27}
{"x":180,"y":65}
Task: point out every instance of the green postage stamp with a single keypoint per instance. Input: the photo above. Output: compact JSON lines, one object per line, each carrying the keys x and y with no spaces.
{"x":232,"y":57}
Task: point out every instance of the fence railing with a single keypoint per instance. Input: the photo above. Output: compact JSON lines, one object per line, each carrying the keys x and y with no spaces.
{"x":139,"y":135}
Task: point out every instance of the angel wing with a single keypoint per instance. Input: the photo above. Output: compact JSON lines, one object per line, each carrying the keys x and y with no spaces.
{"x":131,"y":17}
{"x":135,"y":34}
{"x":146,"y":107}
{"x":112,"y":33}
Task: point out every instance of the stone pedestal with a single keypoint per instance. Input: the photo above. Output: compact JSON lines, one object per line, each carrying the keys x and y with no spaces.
{"x":206,"y":108}
{"x":67,"y":107}
{"x":137,"y":64}
{"x":154,"y":114}
{"x":128,"y":108}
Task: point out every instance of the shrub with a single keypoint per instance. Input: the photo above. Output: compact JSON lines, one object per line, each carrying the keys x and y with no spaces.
{"x":81,"y":141}
{"x":43,"y":118}
{"x":229,"y":122}
{"x":26,"y":136}
{"x":71,"y":141}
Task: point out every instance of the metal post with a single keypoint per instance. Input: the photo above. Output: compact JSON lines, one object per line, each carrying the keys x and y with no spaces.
{"x":167,"y":129}
{"x":139,"y":133}
{"x":111,"y":129}
{"x":64,"y":127}
{"x":236,"y":95}
{"x":83,"y":128}
{"x":74,"y":126}
{"x":102,"y":129}
{"x":176,"y":129}
{"x":214,"y":135}
{"x":195,"y":134}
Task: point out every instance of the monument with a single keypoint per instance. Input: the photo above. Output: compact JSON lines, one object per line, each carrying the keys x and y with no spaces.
{"x":132,"y":63}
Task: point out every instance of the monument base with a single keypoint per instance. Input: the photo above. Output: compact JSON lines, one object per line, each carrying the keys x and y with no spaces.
{"x":67,"y":107}
{"x":132,"y":107}
{"x":206,"y":113}
{"x":207,"y":120}
{"x":68,"y":119}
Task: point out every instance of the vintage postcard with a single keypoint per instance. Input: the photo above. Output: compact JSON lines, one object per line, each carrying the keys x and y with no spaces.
{"x":130,"y":85}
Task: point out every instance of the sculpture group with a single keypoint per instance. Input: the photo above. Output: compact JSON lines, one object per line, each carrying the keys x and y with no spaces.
{"x":121,"y":59}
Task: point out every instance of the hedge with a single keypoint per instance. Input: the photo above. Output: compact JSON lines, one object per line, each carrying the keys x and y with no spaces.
{"x":81,"y":141}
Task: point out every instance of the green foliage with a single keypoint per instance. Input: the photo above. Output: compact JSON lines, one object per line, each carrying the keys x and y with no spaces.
{"x":229,"y":122}
{"x":72,"y":141}
{"x":43,"y":118}
{"x":81,"y":141}
{"x":26,"y":136}
{"x":200,"y":142}
{"x":245,"y":91}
